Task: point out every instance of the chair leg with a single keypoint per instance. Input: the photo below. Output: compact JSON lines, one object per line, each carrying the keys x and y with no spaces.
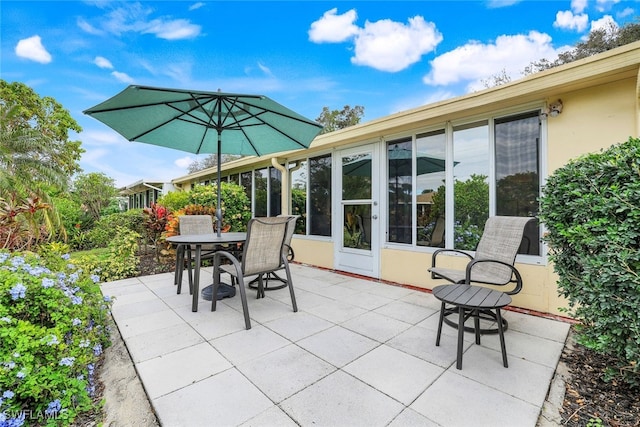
{"x":243,"y":297}
{"x":476,"y":325}
{"x":502,"y":345}
{"x":461,"y":318}
{"x":179,"y":268}
{"x":190,"y":270}
{"x":260,"y":293}
{"x":442,"y":309}
{"x":290,"y":285}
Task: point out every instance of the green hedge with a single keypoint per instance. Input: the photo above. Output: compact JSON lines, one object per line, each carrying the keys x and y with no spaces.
{"x":591,"y":209}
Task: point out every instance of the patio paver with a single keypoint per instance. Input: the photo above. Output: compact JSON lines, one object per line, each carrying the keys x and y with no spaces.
{"x":358,"y":352}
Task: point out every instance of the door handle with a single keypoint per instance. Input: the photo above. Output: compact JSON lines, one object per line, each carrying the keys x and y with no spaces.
{"x":374,"y":217}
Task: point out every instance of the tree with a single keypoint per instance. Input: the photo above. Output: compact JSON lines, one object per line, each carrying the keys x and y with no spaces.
{"x":600,"y":40}
{"x":46,"y":117}
{"x":37,"y":158}
{"x":211,"y":161}
{"x":94,"y":192}
{"x":332,"y":120}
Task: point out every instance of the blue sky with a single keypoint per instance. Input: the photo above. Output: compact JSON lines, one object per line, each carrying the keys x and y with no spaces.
{"x":387,"y":56}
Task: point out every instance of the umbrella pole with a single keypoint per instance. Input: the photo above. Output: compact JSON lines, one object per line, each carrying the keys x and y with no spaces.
{"x":219,"y":190}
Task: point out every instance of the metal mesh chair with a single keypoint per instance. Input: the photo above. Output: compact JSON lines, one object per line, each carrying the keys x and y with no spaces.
{"x":493,"y":262}
{"x":262,"y":253}
{"x":193,"y":224}
{"x":287,"y":251}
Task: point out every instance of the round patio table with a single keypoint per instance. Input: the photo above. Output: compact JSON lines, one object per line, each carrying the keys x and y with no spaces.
{"x":470,"y":300}
{"x":197,"y":241}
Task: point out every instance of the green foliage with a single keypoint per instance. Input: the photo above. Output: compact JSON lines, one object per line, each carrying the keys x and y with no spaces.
{"x":119,"y":262}
{"x":53,"y":330}
{"x":20,"y":222}
{"x":298,"y":207}
{"x":332,"y":120}
{"x":471,"y":205}
{"x":236,"y":208}
{"x":103,"y":230}
{"x":591,"y":209}
{"x":174,"y":200}
{"x":94,"y":192}
{"x":156,"y":218}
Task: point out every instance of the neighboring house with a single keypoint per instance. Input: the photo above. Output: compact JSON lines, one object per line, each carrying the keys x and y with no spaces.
{"x":141,"y":194}
{"x":490,"y":152}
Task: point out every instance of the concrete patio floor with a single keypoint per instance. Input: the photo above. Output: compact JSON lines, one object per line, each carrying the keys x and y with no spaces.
{"x":357,"y":353}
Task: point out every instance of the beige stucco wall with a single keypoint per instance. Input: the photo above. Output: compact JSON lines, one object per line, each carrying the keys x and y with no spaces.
{"x":592,"y":119}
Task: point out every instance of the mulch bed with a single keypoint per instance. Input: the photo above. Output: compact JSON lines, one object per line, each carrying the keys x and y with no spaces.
{"x":588,"y":397}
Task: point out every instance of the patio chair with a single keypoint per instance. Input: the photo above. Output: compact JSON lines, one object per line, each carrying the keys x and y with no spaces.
{"x":287,"y":251}
{"x":493,"y":263}
{"x":194,"y":224}
{"x":262,"y":253}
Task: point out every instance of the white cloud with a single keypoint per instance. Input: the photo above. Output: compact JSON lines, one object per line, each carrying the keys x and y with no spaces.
{"x":177,"y":29}
{"x":122,"y":77}
{"x":494,"y":4}
{"x":625,"y":12}
{"x":88,"y":28}
{"x":392,"y":46}
{"x":32,"y":48}
{"x":103,"y":62}
{"x":265,"y":69}
{"x":474,"y":61}
{"x":578,"y":6}
{"x":196,"y":6}
{"x":184,"y":162}
{"x":606,"y":23}
{"x":604,"y":5}
{"x":95,"y":137}
{"x":333,"y":28}
{"x":568,"y":21}
{"x":385,"y":45}
{"x":135,"y":17}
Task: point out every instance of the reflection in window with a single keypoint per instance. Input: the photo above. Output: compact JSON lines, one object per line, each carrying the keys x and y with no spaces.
{"x":357,"y":226}
{"x":246,"y":182}
{"x":233,"y":178}
{"x":260,"y":193}
{"x":517,"y":172}
{"x":356,"y":177}
{"x":471,"y":186}
{"x":430,"y":188}
{"x":299,"y":197}
{"x":399,"y":193}
{"x":275,"y":192}
{"x":320,"y":196}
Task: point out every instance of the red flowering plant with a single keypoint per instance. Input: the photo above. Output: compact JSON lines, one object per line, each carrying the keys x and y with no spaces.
{"x":155,"y":221}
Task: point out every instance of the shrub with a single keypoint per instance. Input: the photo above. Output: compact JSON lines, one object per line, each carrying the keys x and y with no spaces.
{"x":119,"y":262}
{"x":236,"y":207}
{"x":53,"y":329}
{"x":104,"y":230}
{"x":155,"y":221}
{"x":591,"y":208}
{"x":174,"y":200}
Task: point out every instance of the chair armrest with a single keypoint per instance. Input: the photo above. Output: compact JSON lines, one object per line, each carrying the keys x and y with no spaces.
{"x":230,"y":257}
{"x":514,"y":271}
{"x":439,"y":251}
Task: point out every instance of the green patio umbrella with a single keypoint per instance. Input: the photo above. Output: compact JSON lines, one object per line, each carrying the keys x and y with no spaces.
{"x":205,"y":122}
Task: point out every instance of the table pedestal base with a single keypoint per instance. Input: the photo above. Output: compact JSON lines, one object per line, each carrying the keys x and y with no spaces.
{"x":224,"y":291}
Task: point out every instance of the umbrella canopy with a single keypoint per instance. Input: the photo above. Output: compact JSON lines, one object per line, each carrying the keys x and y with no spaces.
{"x":205,"y":122}
{"x":399,"y":164}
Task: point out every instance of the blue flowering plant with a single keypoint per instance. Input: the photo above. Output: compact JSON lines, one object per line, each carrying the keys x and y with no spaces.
{"x":53,"y":329}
